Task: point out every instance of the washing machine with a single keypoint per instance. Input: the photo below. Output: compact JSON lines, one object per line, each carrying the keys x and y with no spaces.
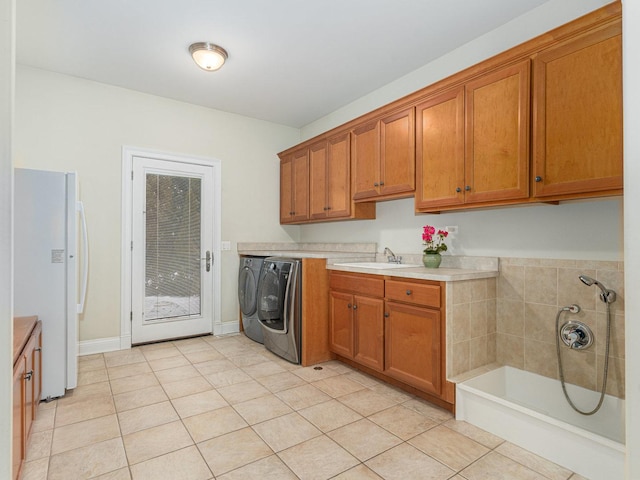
{"x":280,"y":306}
{"x":248,"y":276}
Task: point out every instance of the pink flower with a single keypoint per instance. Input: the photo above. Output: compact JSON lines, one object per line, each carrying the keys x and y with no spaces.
{"x":434,"y":242}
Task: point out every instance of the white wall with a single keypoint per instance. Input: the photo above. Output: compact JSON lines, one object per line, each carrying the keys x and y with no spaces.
{"x":7,"y":46}
{"x":66,"y":123}
{"x":631,"y":68}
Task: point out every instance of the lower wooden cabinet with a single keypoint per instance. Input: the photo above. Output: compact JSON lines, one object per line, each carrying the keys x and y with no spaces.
{"x":394,"y":328}
{"x":27,"y":385}
{"x":412,"y":346}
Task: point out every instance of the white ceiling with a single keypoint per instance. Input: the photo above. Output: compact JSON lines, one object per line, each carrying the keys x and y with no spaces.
{"x":290,"y":61}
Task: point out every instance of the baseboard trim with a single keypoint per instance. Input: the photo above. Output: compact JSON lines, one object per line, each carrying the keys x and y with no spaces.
{"x":226,"y":328}
{"x":103,"y":345}
{"x":100,"y":345}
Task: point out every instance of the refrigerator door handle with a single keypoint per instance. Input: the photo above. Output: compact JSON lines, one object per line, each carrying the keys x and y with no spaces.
{"x":85,"y":259}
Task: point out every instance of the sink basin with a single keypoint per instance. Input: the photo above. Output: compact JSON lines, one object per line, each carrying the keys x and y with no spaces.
{"x":377,"y":265}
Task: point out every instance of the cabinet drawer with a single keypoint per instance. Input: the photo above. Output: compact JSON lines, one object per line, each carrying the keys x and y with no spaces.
{"x":416,"y":293}
{"x":362,"y":284}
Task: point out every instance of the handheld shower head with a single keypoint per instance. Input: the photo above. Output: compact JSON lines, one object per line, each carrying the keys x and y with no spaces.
{"x":607,"y":296}
{"x":588,"y":281}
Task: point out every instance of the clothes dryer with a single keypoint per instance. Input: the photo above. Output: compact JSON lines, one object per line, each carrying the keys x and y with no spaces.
{"x":280,"y":306}
{"x":248,"y":277}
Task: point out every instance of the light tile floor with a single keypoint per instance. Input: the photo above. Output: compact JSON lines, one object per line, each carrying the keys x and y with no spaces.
{"x":228,"y":409}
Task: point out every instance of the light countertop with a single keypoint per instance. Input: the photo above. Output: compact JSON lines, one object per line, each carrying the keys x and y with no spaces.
{"x":453,"y":268}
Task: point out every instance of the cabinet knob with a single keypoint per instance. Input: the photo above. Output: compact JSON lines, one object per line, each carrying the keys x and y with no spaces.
{"x":376,"y":184}
{"x":467,"y":188}
{"x":28,"y":375}
{"x":381,"y":183}
{"x":348,"y":305}
{"x":386,"y":314}
{"x":355,"y":307}
{"x":409,"y":292}
{"x":39,"y":349}
{"x":458,"y":190}
{"x":328,"y":208}
{"x":538,"y":178}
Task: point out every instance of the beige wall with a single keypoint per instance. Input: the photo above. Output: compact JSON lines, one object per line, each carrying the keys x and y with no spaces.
{"x":65,"y":123}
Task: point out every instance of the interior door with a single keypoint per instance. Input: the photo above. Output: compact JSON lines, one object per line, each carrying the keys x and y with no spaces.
{"x":172,"y":250}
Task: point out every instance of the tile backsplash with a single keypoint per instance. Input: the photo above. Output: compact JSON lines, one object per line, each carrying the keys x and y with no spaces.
{"x":512,"y":322}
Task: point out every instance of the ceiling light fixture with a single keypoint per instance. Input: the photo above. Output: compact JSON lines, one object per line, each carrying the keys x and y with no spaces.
{"x":208,"y":56}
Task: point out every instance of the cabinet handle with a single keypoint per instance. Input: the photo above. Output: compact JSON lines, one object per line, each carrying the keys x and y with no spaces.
{"x":458,"y":190}
{"x":409,"y":292}
{"x":467,"y":188}
{"x":386,"y":314}
{"x":381,"y":183}
{"x":39,"y":349}
{"x":376,"y":184}
{"x":538,"y":178}
{"x":328,"y":208}
{"x":28,"y":375}
{"x":355,"y":307}
{"x":349,"y":305}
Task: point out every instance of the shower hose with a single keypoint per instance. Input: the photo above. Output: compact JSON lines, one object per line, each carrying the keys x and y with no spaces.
{"x":606,"y":364}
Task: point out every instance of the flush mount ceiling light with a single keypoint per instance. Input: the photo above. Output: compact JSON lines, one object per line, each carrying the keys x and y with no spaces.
{"x":208,"y":56}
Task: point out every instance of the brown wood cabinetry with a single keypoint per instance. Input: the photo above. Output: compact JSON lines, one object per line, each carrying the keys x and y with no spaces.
{"x":412,"y":346}
{"x":392,"y":328}
{"x":27,"y":384}
{"x":473,"y":141}
{"x":383,"y":157}
{"x":329,"y":178}
{"x":294,"y":187}
{"x":541,"y":122}
{"x":577,"y":102}
{"x":356,"y":318}
{"x":315,"y":183}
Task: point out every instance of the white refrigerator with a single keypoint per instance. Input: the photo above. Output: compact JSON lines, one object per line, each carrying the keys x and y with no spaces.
{"x":47,"y":283}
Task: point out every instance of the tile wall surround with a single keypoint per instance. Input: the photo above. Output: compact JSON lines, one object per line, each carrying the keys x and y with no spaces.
{"x":529,"y":294}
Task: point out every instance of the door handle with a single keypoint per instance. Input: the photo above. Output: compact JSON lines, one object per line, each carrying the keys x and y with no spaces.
{"x":207,"y":259}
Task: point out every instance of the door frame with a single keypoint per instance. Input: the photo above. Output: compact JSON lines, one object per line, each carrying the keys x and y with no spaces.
{"x":128,"y":153}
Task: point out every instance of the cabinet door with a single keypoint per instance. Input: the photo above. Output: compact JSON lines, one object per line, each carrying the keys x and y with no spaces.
{"x":37,"y":370}
{"x":497,"y":135}
{"x":369,"y":332}
{"x":300,"y":185}
{"x":338,"y":176}
{"x":578,"y":115}
{"x":365,"y":157}
{"x":19,"y":434}
{"x":318,"y":180}
{"x":412,"y":346}
{"x":30,"y":380}
{"x":440,"y":150}
{"x":286,"y":193}
{"x":341,"y":324}
{"x":397,"y":153}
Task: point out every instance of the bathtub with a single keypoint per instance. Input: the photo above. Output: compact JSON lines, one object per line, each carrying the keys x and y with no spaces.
{"x":530,"y":410}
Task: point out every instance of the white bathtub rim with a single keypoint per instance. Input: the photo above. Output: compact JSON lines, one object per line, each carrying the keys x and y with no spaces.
{"x":620,"y":447}
{"x":589,"y":454}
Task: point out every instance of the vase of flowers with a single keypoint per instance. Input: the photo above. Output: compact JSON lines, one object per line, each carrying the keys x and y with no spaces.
{"x":434,"y":244}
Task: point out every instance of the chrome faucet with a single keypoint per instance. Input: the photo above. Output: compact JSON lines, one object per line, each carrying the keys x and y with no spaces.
{"x":391,"y":257}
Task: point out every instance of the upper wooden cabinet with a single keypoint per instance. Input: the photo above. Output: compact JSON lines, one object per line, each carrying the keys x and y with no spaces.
{"x":383,"y":157}
{"x":577,"y":102}
{"x":294,"y":187}
{"x":540,"y":122}
{"x":315,"y":183}
{"x":329,"y":178}
{"x":473,"y":141}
